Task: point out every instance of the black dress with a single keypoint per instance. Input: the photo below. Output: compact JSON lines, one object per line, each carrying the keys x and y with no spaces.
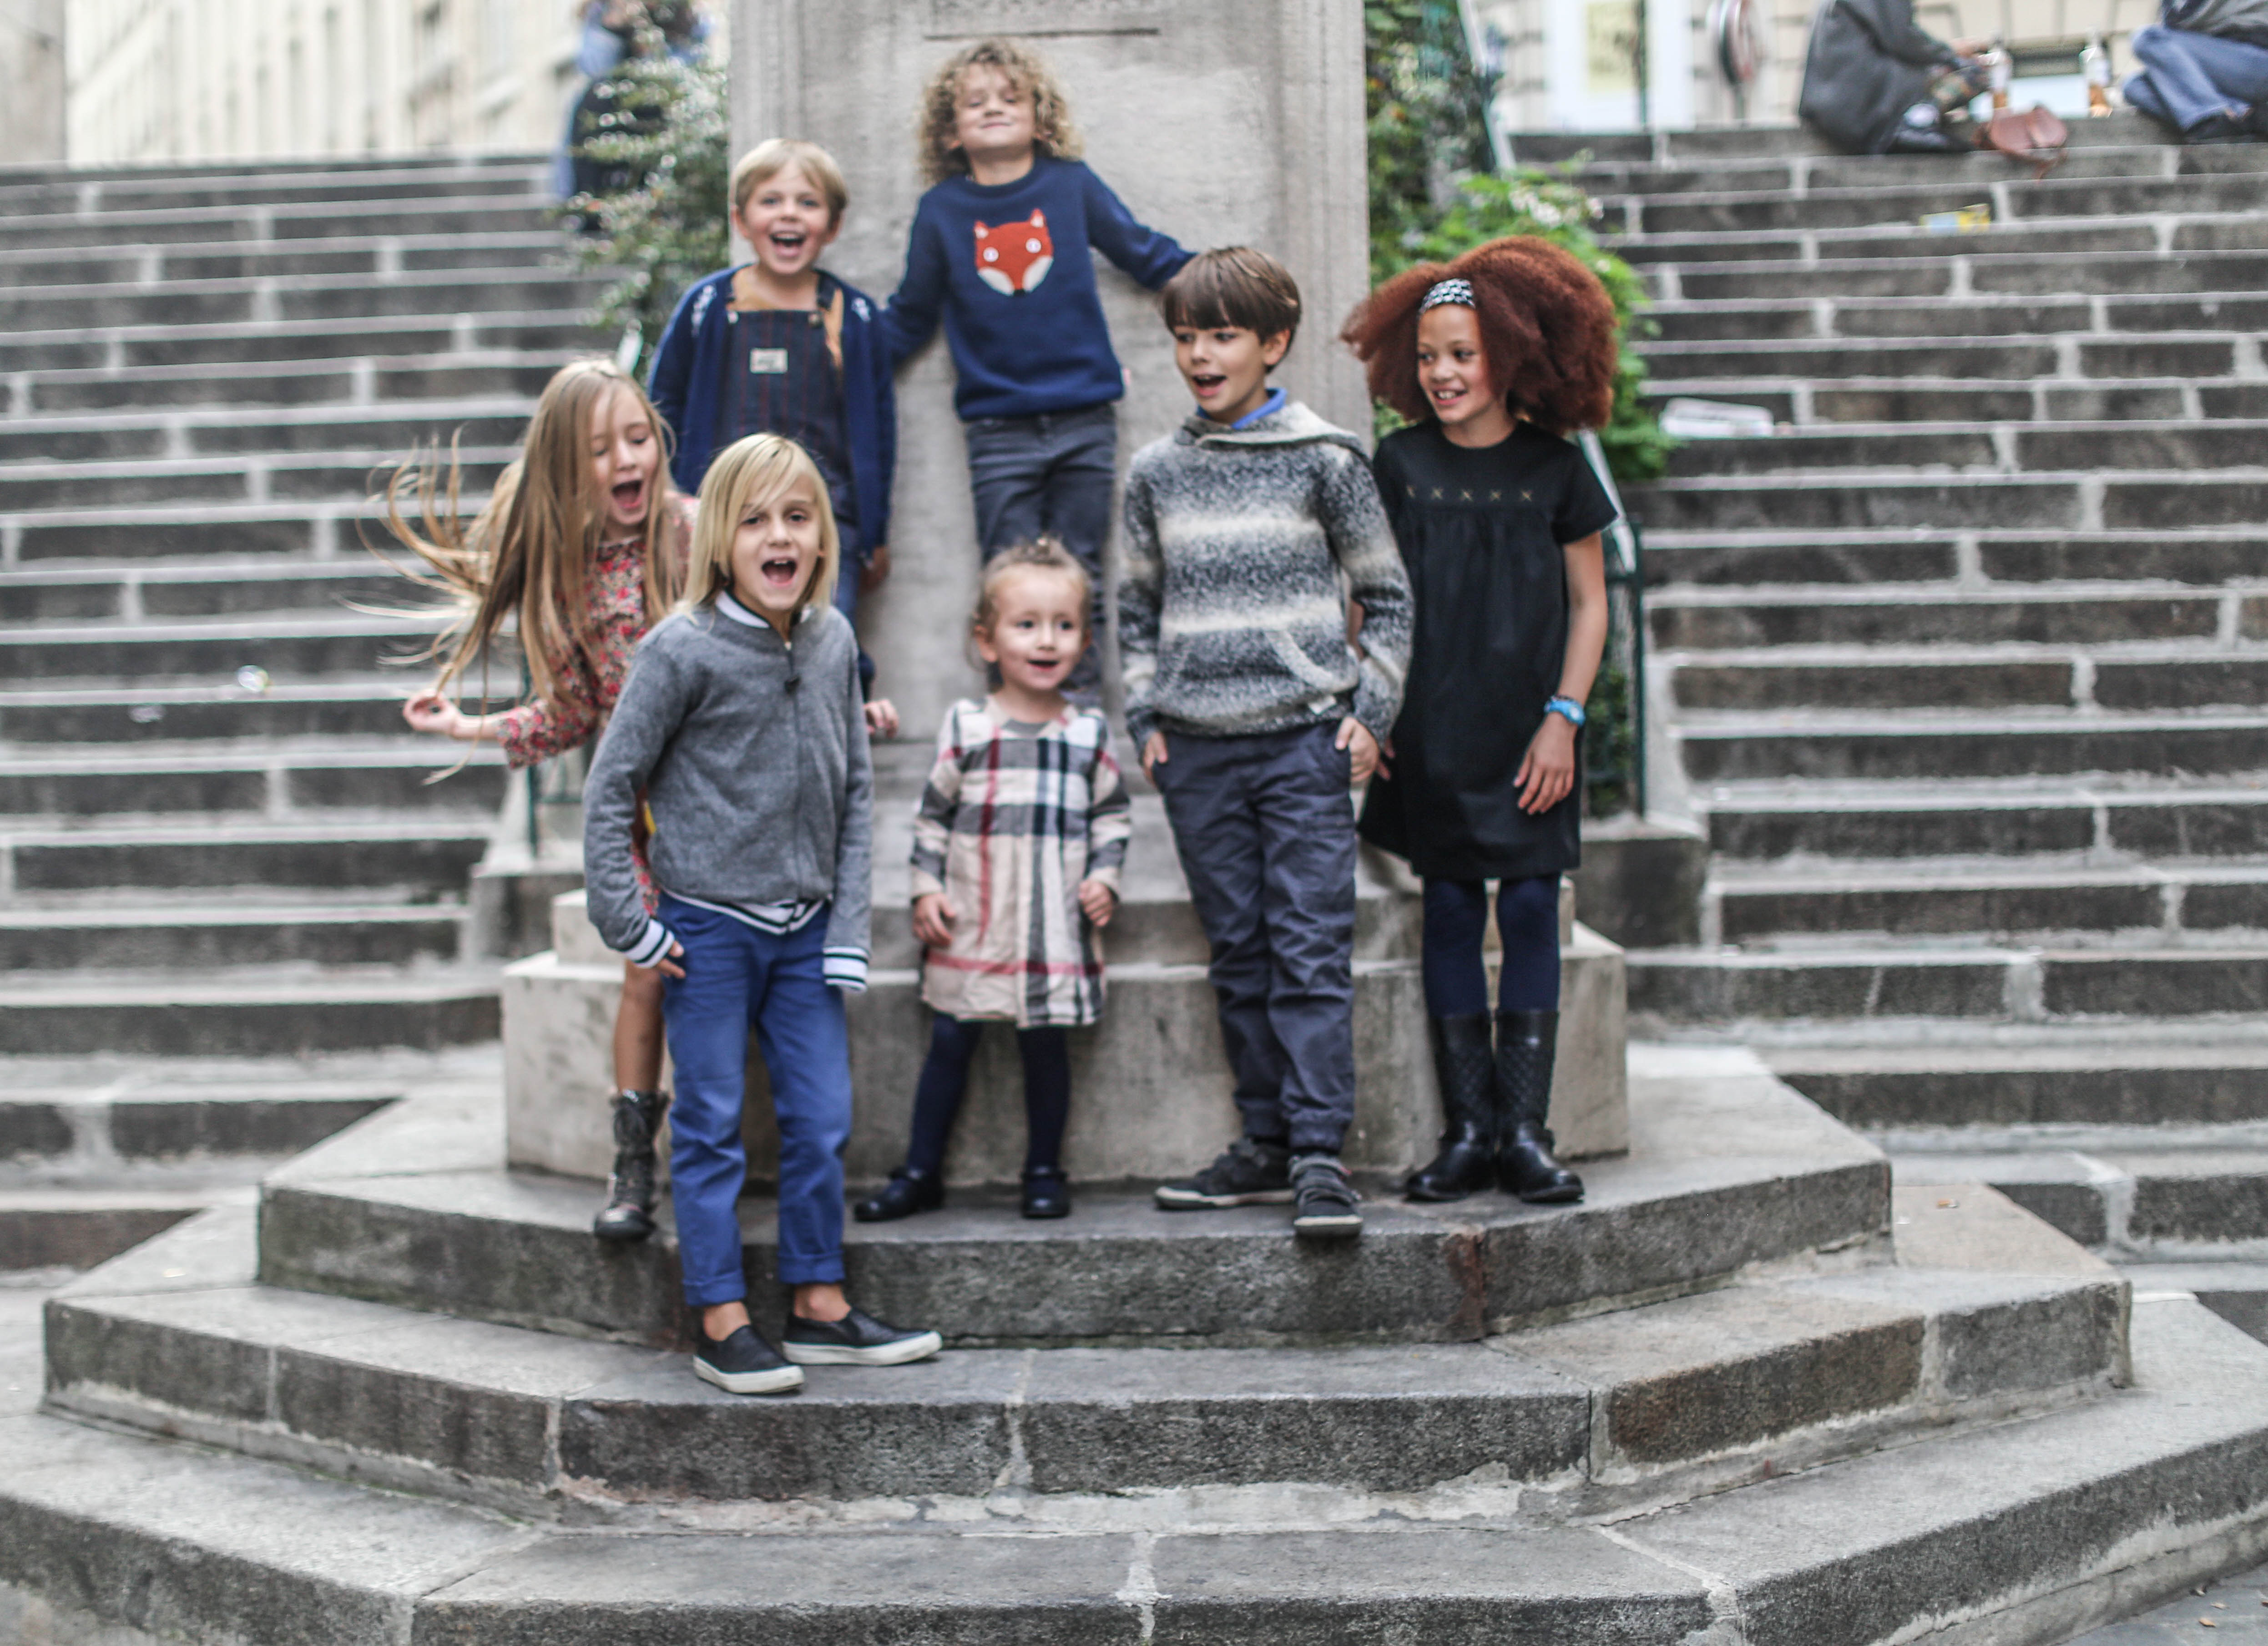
{"x":1481,"y":532}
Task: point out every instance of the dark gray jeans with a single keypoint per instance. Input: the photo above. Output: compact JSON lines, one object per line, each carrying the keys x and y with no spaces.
{"x":1050,"y":474}
{"x":1265,"y":830}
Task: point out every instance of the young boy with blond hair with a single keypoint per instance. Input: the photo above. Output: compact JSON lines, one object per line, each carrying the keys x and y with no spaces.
{"x":780,"y":346}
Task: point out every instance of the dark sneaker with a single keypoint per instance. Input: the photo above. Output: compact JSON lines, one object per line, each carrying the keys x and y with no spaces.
{"x":857,"y":1340}
{"x":744,"y":1363}
{"x":1324,"y":1199}
{"x":1252,"y":1173}
{"x":910,"y":1189}
{"x":1046,"y":1192}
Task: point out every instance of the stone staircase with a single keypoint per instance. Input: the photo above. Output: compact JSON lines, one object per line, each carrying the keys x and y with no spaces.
{"x":1964,"y":669}
{"x":217,"y":841}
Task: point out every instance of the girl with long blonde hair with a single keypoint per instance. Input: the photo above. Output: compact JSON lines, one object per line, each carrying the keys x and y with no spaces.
{"x":579,"y":550}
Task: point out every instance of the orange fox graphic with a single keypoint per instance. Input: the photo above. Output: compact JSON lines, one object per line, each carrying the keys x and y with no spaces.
{"x":1014,"y":257}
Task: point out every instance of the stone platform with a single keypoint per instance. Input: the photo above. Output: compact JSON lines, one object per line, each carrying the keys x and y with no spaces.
{"x":1150,"y":1085}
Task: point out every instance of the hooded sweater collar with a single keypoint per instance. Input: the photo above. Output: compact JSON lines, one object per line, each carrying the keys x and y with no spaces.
{"x":1290,"y":425}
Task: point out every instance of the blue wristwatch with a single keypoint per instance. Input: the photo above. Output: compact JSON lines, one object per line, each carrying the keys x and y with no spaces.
{"x":1566,"y":708}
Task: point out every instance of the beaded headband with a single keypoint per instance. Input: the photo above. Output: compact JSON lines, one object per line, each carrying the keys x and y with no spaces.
{"x":1448,"y":292}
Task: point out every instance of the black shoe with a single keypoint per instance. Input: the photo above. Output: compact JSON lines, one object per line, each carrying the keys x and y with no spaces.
{"x":857,"y":1340}
{"x":1046,"y":1192}
{"x":1527,"y":1046}
{"x":629,"y":1214}
{"x":908,"y":1192}
{"x":1325,"y":1199}
{"x":1465,"y":1067}
{"x":1252,"y":1173}
{"x":743,"y":1363}
{"x":1927,"y":140}
{"x":2218,"y":129}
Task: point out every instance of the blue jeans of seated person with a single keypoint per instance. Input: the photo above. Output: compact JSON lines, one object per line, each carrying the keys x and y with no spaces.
{"x":1050,"y":474}
{"x":1264,"y":827}
{"x":736,"y":977}
{"x":2188,"y":78}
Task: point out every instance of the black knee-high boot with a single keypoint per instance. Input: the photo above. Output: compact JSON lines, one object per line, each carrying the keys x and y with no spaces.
{"x":1466,"y":1162}
{"x":629,"y":1214}
{"x":1526,"y":1043}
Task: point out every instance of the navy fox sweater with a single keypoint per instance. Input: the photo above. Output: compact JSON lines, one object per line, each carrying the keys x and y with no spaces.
{"x":1006,"y":266}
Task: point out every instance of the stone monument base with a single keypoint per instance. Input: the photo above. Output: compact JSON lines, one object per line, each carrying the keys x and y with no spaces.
{"x":1150,"y":1084}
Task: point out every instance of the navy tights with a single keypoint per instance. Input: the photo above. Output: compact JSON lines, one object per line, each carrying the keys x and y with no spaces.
{"x":1527,"y":924}
{"x":1046,"y":1052}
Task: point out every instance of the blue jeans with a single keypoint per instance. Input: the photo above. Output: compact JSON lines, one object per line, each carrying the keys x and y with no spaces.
{"x":2188,"y":78}
{"x":1264,"y":827}
{"x":735,"y":976}
{"x":1051,"y":474}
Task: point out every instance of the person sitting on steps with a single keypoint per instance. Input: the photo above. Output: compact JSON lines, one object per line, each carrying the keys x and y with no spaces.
{"x":2205,"y":70}
{"x":1018,"y":844}
{"x":1875,"y":82}
{"x":1494,"y":359}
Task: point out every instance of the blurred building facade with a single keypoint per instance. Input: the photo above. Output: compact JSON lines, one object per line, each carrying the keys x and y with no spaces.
{"x":151,"y":80}
{"x":32,"y":68}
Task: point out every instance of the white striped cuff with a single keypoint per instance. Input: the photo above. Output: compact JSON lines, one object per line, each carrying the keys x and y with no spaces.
{"x":844,"y":968}
{"x":649,"y":951}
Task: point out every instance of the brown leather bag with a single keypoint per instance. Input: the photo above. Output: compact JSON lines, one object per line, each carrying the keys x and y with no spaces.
{"x":2036,"y":136}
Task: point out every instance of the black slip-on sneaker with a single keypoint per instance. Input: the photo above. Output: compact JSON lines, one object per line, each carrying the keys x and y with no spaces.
{"x":744,"y":1363}
{"x":1251,"y":1173}
{"x":857,"y":1340}
{"x":1324,"y":1201}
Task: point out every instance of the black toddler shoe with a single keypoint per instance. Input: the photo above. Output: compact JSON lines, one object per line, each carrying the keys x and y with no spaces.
{"x":857,"y":1340}
{"x":744,"y":1363}
{"x":908,"y":1192}
{"x":1047,"y":1192}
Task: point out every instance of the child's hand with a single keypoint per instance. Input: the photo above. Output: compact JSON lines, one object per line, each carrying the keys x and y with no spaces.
{"x":431,"y":712}
{"x":1097,"y":902}
{"x":1153,"y":755}
{"x":933,"y":919}
{"x":881,"y":718}
{"x":876,"y":569}
{"x":1548,"y":771}
{"x":1361,"y":747}
{"x":665,"y":964}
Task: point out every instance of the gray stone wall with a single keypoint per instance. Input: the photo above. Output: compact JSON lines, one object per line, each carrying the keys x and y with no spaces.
{"x":32,"y":68}
{"x":1218,"y":122}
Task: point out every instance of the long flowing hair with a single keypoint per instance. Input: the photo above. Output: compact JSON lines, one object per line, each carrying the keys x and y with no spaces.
{"x":526,"y":556}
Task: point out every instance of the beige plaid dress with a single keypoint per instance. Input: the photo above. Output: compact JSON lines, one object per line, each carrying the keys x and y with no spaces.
{"x":1013,"y":818}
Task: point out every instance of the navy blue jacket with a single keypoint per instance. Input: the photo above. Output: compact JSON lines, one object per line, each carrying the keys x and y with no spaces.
{"x":1006,"y":265}
{"x":688,"y":367}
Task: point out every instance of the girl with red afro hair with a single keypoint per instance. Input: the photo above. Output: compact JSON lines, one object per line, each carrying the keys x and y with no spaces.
{"x":1494,"y":360}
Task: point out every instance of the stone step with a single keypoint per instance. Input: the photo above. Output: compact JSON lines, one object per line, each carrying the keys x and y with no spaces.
{"x":1714,"y":319}
{"x":233,"y":590}
{"x":2034,"y":1529}
{"x":148,"y":714}
{"x":1727,"y":747}
{"x":300,"y":649}
{"x":2143,"y":1202}
{"x":2070,"y":821}
{"x":2024,"y":447}
{"x":2032,"y":503}
{"x":511,"y":290}
{"x":2237,"y":1291}
{"x":45,"y":1228}
{"x":1803,"y":174}
{"x":2054,"y":201}
{"x":370,"y":381}
{"x":552,"y":332}
{"x":214,"y":937}
{"x":1806,"y":403}
{"x":2126,"y":128}
{"x":249,"y":1013}
{"x":1909,"y":241}
{"x":2067,"y":1086}
{"x":1969,"y":267}
{"x":99,"y":540}
{"x":2206,"y":354}
{"x":1877,"y":555}
{"x":1964,"y":677}
{"x":278,"y":780}
{"x":1725,"y":1168}
{"x":235,"y":432}
{"x":236,"y":258}
{"x":70,"y":1121}
{"x":257,"y":476}
{"x":1657,"y":1401}
{"x":1849,"y":984}
{"x":516,"y":209}
{"x":1924,"y":899}
{"x":427,"y":856}
{"x":88,"y":193}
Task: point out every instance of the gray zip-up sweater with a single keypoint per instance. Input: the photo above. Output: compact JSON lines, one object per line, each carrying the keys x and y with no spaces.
{"x":752,"y":756}
{"x":1242,"y":547}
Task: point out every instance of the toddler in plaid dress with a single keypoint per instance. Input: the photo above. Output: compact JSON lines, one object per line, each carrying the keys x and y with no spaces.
{"x":1018,"y":846}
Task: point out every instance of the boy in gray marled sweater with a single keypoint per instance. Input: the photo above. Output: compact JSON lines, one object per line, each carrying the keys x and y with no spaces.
{"x":1246,"y":531}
